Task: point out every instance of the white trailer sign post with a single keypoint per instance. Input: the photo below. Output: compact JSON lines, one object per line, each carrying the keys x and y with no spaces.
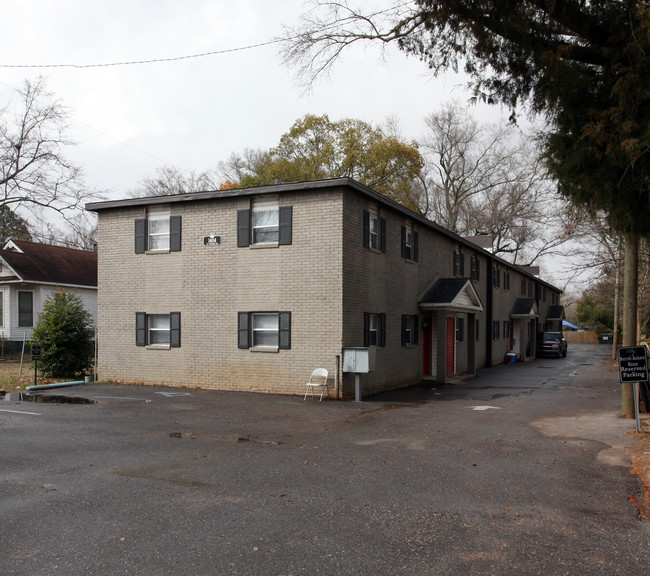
{"x":633,"y":367}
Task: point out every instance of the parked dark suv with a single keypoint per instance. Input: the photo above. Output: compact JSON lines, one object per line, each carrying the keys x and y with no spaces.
{"x":551,"y":344}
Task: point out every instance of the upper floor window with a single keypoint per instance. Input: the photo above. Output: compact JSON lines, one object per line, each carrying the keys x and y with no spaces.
{"x":158,"y":229}
{"x":506,"y":280}
{"x":459,"y":263}
{"x":264,"y":223}
{"x":496,"y":277}
{"x":158,"y":232}
{"x":374,"y":230}
{"x":475,"y":269}
{"x":409,"y":243}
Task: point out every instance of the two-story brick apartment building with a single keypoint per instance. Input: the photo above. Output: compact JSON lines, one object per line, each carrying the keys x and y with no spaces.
{"x":251,"y":289}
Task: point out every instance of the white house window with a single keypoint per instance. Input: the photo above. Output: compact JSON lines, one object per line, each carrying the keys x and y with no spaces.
{"x":158,"y":229}
{"x":25,"y":309}
{"x":265,"y":221}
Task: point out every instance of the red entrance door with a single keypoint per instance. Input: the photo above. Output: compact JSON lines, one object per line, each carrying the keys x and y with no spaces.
{"x":451,"y":343}
{"x":426,"y":345}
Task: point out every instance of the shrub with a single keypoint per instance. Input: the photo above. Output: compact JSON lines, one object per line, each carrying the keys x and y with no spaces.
{"x":65,"y":333}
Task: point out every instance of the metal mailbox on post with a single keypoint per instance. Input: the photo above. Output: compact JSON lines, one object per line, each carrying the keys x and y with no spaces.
{"x":358,"y":361}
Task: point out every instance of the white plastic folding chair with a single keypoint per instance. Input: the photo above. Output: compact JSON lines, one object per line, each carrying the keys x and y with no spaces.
{"x":318,"y":379}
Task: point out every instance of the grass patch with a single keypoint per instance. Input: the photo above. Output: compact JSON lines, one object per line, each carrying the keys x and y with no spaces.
{"x":12,"y":379}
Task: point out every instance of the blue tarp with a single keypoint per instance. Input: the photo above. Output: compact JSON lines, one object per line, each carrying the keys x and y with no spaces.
{"x":567,"y":325}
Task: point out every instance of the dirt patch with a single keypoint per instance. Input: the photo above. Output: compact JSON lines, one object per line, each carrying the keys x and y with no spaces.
{"x":640,"y":456}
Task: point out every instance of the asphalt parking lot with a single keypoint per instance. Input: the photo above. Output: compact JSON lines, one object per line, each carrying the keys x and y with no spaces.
{"x":521,"y":470}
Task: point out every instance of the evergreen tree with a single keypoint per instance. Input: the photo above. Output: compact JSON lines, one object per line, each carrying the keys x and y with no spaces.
{"x":65,"y":333}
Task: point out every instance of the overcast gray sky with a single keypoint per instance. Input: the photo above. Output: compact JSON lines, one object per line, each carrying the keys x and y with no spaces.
{"x":191,"y":113}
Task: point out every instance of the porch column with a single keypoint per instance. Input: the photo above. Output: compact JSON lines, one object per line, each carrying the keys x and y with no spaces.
{"x":441,"y":348}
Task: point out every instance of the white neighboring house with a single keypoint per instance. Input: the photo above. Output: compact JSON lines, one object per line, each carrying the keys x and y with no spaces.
{"x":30,"y":272}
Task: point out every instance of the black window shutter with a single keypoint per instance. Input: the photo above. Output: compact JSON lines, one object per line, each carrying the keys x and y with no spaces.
{"x":405,"y":253}
{"x":174,"y":233}
{"x":285,"y":214}
{"x":140,"y":236}
{"x":366,"y":329}
{"x":382,"y":329}
{"x":477,"y":263}
{"x":243,"y":340}
{"x":462,"y":264}
{"x":404,"y":331}
{"x":416,"y":329}
{"x":140,"y":329}
{"x":455,"y":266}
{"x":175,"y":329}
{"x":416,"y":246}
{"x":382,"y":234}
{"x":243,"y":229}
{"x":366,"y":229}
{"x":285,"y":330}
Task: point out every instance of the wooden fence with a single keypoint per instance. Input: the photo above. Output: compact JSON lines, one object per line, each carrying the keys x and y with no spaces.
{"x":581,"y":337}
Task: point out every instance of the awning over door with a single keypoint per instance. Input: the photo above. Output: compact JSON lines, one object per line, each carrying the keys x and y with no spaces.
{"x":556,"y":313}
{"x":451,"y":294}
{"x":524,"y":308}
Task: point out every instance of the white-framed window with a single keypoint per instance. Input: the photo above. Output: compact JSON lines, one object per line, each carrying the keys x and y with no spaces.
{"x":158,"y":232}
{"x":158,"y":330}
{"x":409,"y":242}
{"x":373,"y":329}
{"x":26,"y":309}
{"x":265,"y":221}
{"x":264,"y":330}
{"x":410,"y":328}
{"x":158,"y":229}
{"x":373,"y":229}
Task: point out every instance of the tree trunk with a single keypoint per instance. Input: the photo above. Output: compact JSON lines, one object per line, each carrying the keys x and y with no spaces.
{"x":630,"y":288}
{"x":617,"y":299}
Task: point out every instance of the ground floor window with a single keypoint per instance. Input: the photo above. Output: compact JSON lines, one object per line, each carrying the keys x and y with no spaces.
{"x":158,"y":330}
{"x":264,"y":330}
{"x":25,"y":309}
{"x":409,"y":329}
{"x":374,"y":329}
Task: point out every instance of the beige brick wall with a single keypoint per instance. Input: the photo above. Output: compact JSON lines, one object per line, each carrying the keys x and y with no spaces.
{"x":210,"y":285}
